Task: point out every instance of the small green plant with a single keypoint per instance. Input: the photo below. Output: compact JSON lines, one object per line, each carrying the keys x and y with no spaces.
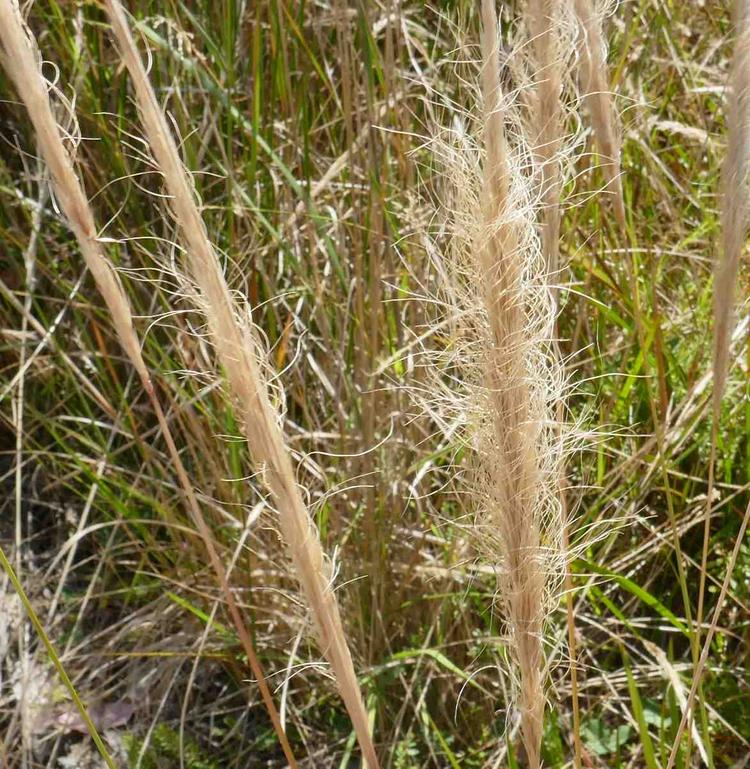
{"x":163,"y":751}
{"x":602,"y":739}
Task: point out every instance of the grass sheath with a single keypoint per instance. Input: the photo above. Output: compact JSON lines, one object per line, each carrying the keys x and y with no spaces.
{"x":237,"y":353}
{"x":594,"y":84}
{"x":21,"y":61}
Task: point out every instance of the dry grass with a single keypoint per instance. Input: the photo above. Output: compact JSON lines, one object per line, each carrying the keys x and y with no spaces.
{"x":546,"y":120}
{"x":20,"y":57}
{"x":598,"y":98}
{"x":237,"y":353}
{"x":376,"y":196}
{"x":517,"y":467}
{"x":498,"y":303}
{"x":516,"y":472}
{"x":22,"y":62}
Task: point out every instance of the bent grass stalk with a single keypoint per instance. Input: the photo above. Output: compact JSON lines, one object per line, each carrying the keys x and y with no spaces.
{"x":20,"y":60}
{"x":237,"y":353}
{"x":735,"y":215}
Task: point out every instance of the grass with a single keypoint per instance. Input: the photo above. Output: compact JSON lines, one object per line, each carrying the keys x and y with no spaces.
{"x":308,"y":125}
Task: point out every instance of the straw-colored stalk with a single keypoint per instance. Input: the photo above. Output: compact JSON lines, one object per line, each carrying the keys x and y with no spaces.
{"x":735,"y":210}
{"x":594,"y":84}
{"x":21,"y":60}
{"x":545,"y":23}
{"x":237,"y":353}
{"x":546,"y":119}
{"x":515,"y":467}
{"x":735,"y":200}
{"x":735,"y":216}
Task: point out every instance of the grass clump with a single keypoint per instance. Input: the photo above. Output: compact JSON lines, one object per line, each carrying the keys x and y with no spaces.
{"x":379,"y":388}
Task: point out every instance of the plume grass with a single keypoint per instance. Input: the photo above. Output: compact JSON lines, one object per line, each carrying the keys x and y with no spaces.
{"x":735,"y":216}
{"x":735,"y":201}
{"x":507,"y":306}
{"x":547,"y":62}
{"x":237,"y":353}
{"x":21,"y":61}
{"x":594,"y":85}
{"x":374,"y":293}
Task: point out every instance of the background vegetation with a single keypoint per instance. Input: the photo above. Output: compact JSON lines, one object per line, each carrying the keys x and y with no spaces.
{"x":310,"y":125}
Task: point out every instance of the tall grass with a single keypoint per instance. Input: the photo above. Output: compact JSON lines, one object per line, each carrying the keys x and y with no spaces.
{"x":20,"y":58}
{"x":237,"y":353}
{"x":518,"y":466}
{"x":598,"y":98}
{"x":516,"y":473}
{"x":359,"y":247}
{"x":546,"y":119}
{"x":735,"y":216}
{"x":495,"y":279}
